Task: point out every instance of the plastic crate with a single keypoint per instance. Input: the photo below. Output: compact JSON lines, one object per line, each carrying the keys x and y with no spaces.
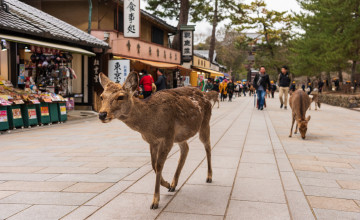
{"x":4,"y":118}
{"x":29,"y":115}
{"x":16,"y":118}
{"x":62,"y":111}
{"x":43,"y":113}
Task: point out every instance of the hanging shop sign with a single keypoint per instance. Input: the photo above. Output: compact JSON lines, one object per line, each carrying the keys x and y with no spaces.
{"x":187,"y":42}
{"x":132,"y":18}
{"x":119,"y":70}
{"x":3,"y":116}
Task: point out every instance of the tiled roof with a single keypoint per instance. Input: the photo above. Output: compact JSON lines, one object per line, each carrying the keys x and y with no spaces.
{"x":205,"y":54}
{"x":26,"y":19}
{"x":159,"y":21}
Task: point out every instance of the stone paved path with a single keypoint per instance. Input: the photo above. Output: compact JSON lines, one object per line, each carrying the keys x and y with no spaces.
{"x":91,"y":170}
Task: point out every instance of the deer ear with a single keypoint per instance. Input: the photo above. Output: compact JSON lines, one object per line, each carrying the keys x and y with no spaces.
{"x":132,"y":82}
{"x":308,"y":118}
{"x":104,"y":80}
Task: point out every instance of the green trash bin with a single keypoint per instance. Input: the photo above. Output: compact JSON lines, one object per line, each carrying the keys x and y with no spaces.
{"x":62,"y":111}
{"x":43,"y":114}
{"x":54,"y":112}
{"x":16,"y":118}
{"x":28,"y":112}
{"x":4,"y":118}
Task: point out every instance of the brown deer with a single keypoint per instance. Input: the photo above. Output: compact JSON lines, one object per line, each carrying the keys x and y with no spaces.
{"x":213,"y":96}
{"x":315,"y":99}
{"x":164,"y":118}
{"x":299,"y":103}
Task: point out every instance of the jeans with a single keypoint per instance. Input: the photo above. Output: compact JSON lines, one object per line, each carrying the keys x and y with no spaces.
{"x":261,"y":97}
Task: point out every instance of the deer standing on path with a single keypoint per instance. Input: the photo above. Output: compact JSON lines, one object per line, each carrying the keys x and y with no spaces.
{"x":315,"y":99}
{"x":299,"y":103}
{"x":164,"y":118}
{"x":213,"y":96}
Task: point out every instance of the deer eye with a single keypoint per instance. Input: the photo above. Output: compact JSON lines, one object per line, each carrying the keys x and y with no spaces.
{"x":120,"y":98}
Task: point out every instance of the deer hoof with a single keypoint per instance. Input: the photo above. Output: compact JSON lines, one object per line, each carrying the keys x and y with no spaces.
{"x":290,"y":136}
{"x":172,"y":189}
{"x":208,"y":180}
{"x":154,"y":206}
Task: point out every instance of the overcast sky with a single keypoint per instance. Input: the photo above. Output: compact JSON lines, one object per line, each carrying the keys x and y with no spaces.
{"x":203,"y":29}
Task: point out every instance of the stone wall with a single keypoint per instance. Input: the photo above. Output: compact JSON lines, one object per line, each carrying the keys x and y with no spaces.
{"x":347,"y":101}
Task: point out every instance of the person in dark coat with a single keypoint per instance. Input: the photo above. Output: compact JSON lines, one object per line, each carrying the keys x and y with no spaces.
{"x":293,"y":86}
{"x":161,"y":81}
{"x":262,"y":86}
{"x":273,"y":89}
{"x":230,"y":89}
{"x":216,"y":86}
{"x":320,"y":86}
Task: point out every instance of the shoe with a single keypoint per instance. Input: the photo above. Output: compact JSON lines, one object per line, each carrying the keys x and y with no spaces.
{"x":285,"y":107}
{"x":281,"y":105}
{"x":261,"y":108}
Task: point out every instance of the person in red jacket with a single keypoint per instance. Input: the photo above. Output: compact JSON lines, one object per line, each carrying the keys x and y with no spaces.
{"x":146,"y":82}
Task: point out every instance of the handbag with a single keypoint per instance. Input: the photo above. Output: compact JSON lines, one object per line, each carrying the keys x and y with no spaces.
{"x":153,"y":86}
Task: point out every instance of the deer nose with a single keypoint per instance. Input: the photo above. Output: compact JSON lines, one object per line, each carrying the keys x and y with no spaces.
{"x":102,"y":115}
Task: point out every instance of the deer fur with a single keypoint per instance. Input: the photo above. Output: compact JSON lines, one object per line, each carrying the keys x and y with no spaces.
{"x":299,"y":103}
{"x":164,"y":118}
{"x":213,"y":96}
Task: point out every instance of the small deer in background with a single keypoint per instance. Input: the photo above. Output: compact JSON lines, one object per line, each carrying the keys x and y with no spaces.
{"x":213,"y":96}
{"x":164,"y":118}
{"x":299,"y":103}
{"x":314,"y":97}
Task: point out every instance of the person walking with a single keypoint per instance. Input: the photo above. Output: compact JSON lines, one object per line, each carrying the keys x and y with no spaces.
{"x":161,"y":81}
{"x":293,"y":86}
{"x":209,"y":86}
{"x":223,"y":90}
{"x":245,"y":87}
{"x":320,"y":86}
{"x":146,"y":83}
{"x":309,"y":89}
{"x":216,"y":86}
{"x":262,"y":85}
{"x":284,"y":84}
{"x":230,"y":90}
{"x":273,"y":89}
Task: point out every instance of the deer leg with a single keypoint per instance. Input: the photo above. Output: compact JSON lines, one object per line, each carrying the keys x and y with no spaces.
{"x":153,"y":150}
{"x":296,"y":128}
{"x":205,"y":139}
{"x":161,"y":158}
{"x":218,"y":103}
{"x":213,"y":104}
{"x":184,"y":149}
{"x":292,"y":125}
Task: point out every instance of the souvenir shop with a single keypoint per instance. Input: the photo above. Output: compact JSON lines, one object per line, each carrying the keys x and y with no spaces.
{"x":39,"y":82}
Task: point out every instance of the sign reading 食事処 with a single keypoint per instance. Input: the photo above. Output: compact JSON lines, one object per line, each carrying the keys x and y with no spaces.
{"x":187,"y":42}
{"x":119,"y":70}
{"x":132,"y":18}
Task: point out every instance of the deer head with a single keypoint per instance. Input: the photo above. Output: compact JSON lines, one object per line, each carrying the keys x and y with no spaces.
{"x":117,"y":99}
{"x":303,"y":126}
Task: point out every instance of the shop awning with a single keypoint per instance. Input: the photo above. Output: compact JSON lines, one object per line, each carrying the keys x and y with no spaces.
{"x":212,"y":72}
{"x":155,"y":64}
{"x":46,"y":44}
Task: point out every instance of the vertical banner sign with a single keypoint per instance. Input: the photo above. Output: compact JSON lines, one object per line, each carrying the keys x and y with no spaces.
{"x":132,"y":18}
{"x":119,"y":70}
{"x":187,"y":43}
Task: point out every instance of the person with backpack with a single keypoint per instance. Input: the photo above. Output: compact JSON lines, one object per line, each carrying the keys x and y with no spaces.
{"x":161,"y":81}
{"x":284,"y":86}
{"x":262,"y":86}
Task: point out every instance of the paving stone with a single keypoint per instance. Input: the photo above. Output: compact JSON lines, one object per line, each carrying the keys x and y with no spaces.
{"x":109,"y":194}
{"x":67,"y":170}
{"x":331,"y":192}
{"x":26,"y":176}
{"x":257,"y":210}
{"x":221,"y":177}
{"x":325,"y":214}
{"x":43,"y":212}
{"x":298,"y":205}
{"x":35,"y":186}
{"x":88,"y":187}
{"x":222,"y":162}
{"x":81,"y":213}
{"x":318,"y":182}
{"x":132,"y":206}
{"x":253,"y":170}
{"x":184,"y":216}
{"x":284,"y":164}
{"x":199,"y":199}
{"x":48,"y":198}
{"x":96,"y":178}
{"x":140,"y":172}
{"x":333,"y":203}
{"x":4,"y":194}
{"x":258,"y":190}
{"x":250,"y":157}
{"x":20,"y":169}
{"x":347,"y":184}
{"x":7,"y":210}
{"x":290,"y":182}
{"x":305,"y":167}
